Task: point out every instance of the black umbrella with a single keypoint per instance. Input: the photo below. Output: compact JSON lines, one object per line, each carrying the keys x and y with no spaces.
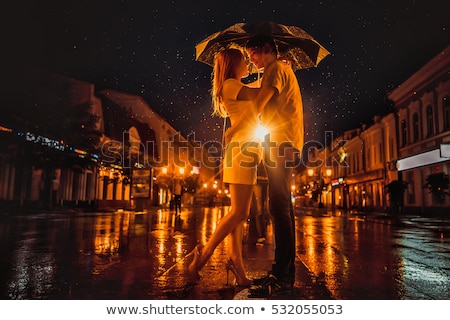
{"x":293,"y":43}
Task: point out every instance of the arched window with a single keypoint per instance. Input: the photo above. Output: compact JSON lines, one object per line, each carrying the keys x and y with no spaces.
{"x":416,"y":127}
{"x":430,"y":121}
{"x":446,"y":112}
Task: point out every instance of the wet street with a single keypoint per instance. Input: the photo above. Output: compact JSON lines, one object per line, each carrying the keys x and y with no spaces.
{"x":376,"y":257}
{"x":142,"y":255}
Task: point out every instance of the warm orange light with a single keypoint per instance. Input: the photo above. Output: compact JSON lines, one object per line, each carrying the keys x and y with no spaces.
{"x":260,"y":132}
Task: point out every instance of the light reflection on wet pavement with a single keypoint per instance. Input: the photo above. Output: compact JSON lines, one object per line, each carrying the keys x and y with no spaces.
{"x":142,"y":255}
{"x":362,"y":257}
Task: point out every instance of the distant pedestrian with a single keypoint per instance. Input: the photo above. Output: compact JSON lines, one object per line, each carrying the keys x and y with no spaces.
{"x":178,"y":189}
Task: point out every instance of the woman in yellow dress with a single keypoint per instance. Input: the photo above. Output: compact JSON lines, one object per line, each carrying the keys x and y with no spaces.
{"x":231,"y":98}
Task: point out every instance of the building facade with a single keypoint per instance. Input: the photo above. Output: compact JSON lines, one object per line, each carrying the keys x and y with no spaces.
{"x":423,"y":109}
{"x":410,"y":145}
{"x":169,"y":155}
{"x":36,"y":141}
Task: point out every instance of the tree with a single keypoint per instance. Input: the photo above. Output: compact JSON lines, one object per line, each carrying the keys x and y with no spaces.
{"x":396,"y":190}
{"x":437,"y":185}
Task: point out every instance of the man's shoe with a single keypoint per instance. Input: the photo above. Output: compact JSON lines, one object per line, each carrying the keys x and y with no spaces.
{"x":260,"y":281}
{"x":271,"y":287}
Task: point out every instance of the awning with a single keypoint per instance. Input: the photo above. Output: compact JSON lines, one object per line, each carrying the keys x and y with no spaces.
{"x":423,"y":159}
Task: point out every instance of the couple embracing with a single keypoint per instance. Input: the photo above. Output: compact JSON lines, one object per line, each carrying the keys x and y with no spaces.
{"x":277,"y":103}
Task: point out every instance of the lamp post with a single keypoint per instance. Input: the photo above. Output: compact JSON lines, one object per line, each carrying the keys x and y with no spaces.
{"x":163,"y":187}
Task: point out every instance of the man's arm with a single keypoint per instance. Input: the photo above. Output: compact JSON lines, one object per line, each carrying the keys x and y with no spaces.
{"x":264,"y":96}
{"x":261,"y":100}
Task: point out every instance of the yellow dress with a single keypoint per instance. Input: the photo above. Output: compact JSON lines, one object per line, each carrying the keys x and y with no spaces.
{"x":243,"y":151}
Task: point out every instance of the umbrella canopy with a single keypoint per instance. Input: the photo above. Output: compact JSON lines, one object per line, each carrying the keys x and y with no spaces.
{"x":293,"y":43}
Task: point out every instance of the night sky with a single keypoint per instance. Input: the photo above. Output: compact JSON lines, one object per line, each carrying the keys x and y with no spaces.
{"x":148,"y":49}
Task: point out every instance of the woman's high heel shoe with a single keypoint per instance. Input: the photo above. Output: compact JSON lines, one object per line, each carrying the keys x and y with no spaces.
{"x":193,"y":269}
{"x":241,"y":280}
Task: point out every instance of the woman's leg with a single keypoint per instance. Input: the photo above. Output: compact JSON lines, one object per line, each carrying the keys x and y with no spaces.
{"x":241,"y":196}
{"x":244,"y":201}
